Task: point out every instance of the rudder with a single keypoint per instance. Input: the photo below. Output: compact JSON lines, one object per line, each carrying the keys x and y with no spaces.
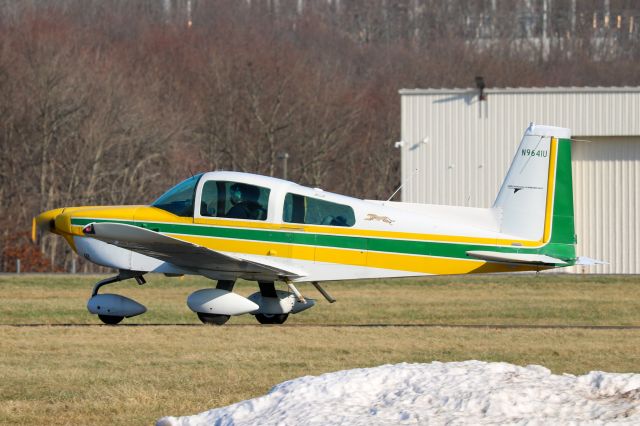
{"x":535,"y":201}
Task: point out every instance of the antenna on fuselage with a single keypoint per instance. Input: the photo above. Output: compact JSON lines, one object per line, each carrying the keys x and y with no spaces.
{"x":400,"y":144}
{"x":415,"y":172}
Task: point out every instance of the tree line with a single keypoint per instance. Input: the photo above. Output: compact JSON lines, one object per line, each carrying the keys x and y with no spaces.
{"x":111,"y":102}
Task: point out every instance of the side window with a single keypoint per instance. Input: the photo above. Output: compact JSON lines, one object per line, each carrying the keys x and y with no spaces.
{"x":234,"y":200}
{"x":313,"y":211}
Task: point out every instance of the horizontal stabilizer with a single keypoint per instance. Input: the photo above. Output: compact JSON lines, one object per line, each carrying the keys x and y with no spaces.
{"x":587,"y":261}
{"x":182,"y":253}
{"x":525,"y":258}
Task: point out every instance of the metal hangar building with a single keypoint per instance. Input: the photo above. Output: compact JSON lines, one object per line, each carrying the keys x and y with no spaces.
{"x":456,"y":149}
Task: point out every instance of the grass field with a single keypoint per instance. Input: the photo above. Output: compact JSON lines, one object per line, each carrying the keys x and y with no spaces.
{"x":133,"y":375}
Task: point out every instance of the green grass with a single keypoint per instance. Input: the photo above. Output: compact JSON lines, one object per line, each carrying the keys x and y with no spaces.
{"x":134,"y":375}
{"x":490,"y":299}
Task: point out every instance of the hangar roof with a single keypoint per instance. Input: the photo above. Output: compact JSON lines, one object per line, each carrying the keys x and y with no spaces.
{"x":572,"y":89}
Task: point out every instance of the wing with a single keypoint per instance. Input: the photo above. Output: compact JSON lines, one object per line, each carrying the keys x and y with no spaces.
{"x":524,"y":258}
{"x":182,"y":253}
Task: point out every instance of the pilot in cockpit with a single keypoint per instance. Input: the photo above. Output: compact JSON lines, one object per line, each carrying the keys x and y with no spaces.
{"x":245,"y":202}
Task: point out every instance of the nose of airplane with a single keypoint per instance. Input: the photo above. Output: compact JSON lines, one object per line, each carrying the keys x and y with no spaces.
{"x":57,"y":221}
{"x":63,"y":221}
{"x":45,"y":222}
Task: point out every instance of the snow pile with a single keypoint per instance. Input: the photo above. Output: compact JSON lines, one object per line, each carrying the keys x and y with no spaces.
{"x":437,"y":393}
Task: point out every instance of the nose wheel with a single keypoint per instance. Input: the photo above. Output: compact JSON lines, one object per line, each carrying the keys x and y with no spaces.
{"x":110,"y":319}
{"x":113,"y":308}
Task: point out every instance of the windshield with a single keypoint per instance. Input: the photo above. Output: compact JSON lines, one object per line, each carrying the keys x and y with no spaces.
{"x":179,"y":199}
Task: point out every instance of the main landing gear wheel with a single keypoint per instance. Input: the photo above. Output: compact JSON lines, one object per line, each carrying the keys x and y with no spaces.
{"x":110,"y":319}
{"x":272,"y":318}
{"x":268,"y":289}
{"x":217,"y":319}
{"x":213,"y":319}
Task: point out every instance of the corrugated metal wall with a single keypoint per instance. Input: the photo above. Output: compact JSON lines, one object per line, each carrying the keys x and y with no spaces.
{"x":606,"y":174}
{"x":456,"y":151}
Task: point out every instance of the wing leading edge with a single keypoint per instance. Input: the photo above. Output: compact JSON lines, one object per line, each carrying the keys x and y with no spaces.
{"x":182,"y":253}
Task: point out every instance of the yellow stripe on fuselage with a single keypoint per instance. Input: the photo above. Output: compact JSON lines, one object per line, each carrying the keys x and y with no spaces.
{"x":261,"y":248}
{"x":551,"y":180}
{"x":392,"y":261}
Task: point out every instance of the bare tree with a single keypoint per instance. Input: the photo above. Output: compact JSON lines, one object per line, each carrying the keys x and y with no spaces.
{"x":110,"y":102}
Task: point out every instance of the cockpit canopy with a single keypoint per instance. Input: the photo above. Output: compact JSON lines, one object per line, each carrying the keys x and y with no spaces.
{"x":219,"y":199}
{"x":242,"y":200}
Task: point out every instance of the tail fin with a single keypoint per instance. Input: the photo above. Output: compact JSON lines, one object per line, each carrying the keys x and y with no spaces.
{"x":536,"y":197}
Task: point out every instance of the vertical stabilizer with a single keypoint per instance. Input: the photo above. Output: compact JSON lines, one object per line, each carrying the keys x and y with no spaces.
{"x":538,"y":179}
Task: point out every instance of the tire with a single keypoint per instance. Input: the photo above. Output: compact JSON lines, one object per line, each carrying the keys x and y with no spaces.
{"x":272,"y":318}
{"x":110,"y":319}
{"x":213,"y":319}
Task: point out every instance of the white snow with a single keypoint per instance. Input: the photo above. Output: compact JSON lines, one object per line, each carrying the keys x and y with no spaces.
{"x":470,"y":392}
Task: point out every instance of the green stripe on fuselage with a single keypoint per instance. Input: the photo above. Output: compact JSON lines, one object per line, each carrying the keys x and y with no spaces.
{"x":425,"y":248}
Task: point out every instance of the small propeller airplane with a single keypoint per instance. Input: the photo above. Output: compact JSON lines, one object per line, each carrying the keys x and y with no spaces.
{"x":230,"y":225}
